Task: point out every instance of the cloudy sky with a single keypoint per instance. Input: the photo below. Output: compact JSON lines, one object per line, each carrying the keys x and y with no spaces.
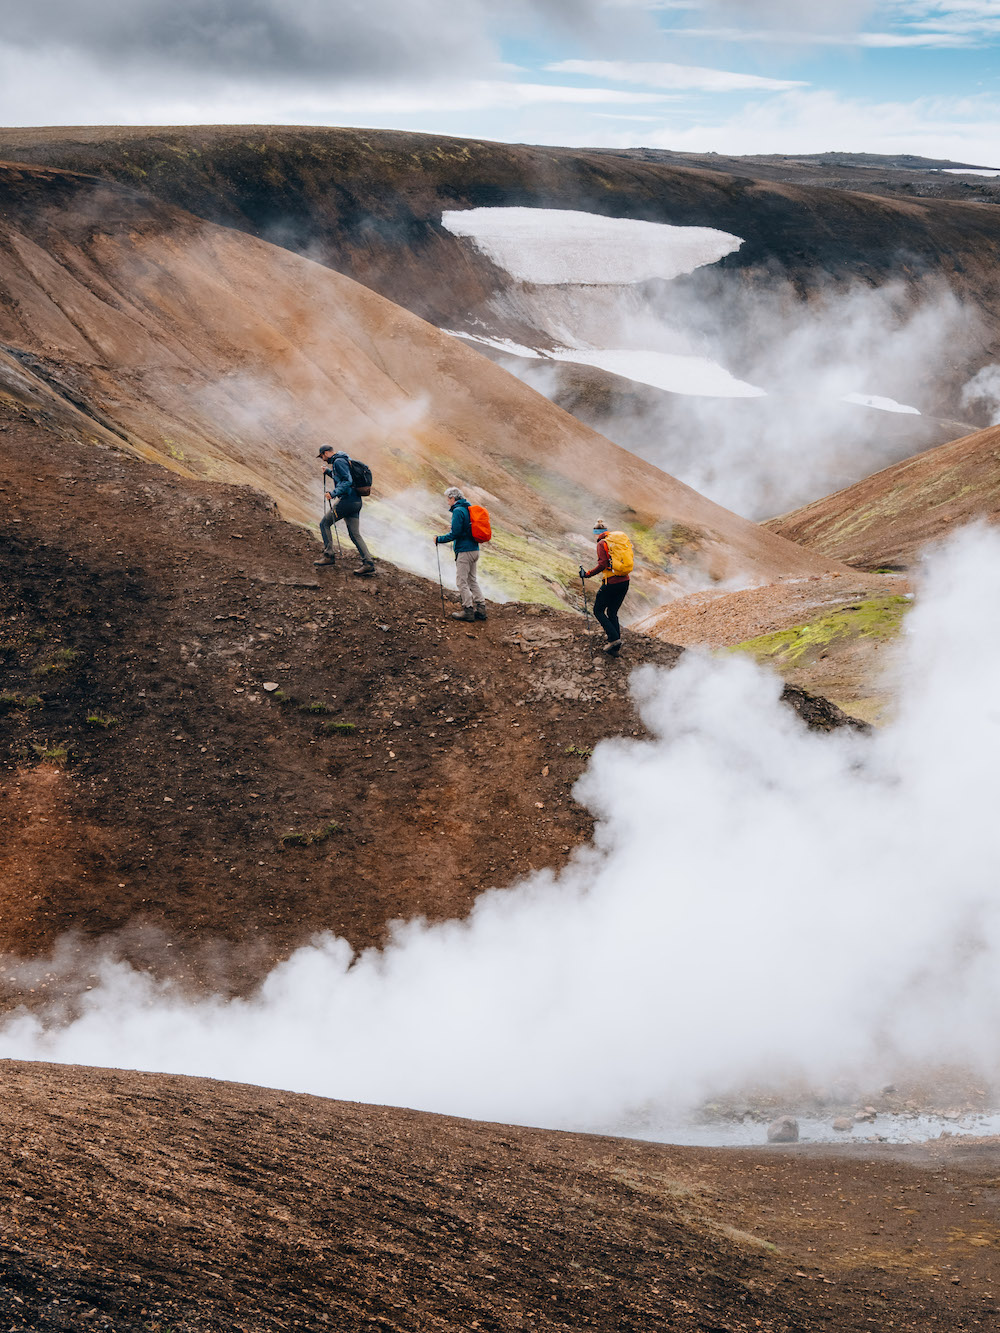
{"x":917,"y":76}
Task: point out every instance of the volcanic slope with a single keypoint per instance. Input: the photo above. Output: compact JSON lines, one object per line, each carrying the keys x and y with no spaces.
{"x":149,"y":781}
{"x":222,"y":356}
{"x":887,"y":518}
{"x":139,"y":1202}
{"x":369,"y":204}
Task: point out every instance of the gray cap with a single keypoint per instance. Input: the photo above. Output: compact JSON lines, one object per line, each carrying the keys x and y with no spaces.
{"x":453,"y":493}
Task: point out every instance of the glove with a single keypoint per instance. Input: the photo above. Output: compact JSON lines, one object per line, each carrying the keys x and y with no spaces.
{"x":583,"y":572}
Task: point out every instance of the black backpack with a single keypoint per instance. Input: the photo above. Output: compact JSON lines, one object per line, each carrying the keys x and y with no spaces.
{"x":361,"y":475}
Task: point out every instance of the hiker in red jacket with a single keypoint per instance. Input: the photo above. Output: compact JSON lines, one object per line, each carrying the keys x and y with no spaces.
{"x":612,"y":593}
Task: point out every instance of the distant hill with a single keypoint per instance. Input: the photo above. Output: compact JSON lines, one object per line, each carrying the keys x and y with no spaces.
{"x":369,"y":202}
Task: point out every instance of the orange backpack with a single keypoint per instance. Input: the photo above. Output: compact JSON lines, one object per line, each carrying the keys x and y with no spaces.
{"x":479,"y":521}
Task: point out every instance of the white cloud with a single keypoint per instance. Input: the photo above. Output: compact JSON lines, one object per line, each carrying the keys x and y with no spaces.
{"x":38,"y":89}
{"x":879,"y":40}
{"x":917,"y":23}
{"x":658,"y":74}
{"x":811,"y":121}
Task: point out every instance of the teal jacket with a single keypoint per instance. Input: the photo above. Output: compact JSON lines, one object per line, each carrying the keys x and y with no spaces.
{"x":461,"y":529}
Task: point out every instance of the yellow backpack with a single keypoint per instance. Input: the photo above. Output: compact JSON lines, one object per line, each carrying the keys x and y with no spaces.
{"x":620,"y":550}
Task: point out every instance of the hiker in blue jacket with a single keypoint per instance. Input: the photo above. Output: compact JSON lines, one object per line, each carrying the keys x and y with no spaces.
{"x":345,"y":503}
{"x":466,"y":557}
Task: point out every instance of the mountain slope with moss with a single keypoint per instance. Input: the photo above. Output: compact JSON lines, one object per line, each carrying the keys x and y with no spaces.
{"x":226,"y":358}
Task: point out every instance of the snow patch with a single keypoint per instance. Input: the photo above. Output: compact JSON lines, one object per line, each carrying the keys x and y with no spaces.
{"x":555,"y":247}
{"x":696,"y":376}
{"x":968,"y":171}
{"x":882,"y":404}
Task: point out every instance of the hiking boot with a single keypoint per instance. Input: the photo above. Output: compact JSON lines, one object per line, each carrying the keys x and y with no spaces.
{"x":328,"y":559}
{"x":480,"y":613}
{"x":466,"y":613}
{"x":363,"y":571}
{"x":614,"y":647}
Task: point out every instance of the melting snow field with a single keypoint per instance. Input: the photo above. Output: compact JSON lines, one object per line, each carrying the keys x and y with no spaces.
{"x":694,"y":375}
{"x":968,"y":171}
{"x":555,"y":247}
{"x":882,"y":404}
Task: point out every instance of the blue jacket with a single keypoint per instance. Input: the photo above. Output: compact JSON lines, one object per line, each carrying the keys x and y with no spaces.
{"x":339,"y":473}
{"x":461,"y":529}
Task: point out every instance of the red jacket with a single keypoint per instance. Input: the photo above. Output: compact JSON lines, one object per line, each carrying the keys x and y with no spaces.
{"x":604,"y":563}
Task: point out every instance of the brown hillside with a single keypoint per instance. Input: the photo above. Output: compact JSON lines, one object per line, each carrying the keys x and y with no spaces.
{"x":225,"y":357}
{"x":148,"y":779}
{"x":369,"y":202}
{"x":150,"y":1204}
{"x":888,"y":517}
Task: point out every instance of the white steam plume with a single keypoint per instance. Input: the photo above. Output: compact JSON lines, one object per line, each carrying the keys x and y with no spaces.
{"x":836,"y":382}
{"x":983,"y":392}
{"x":759,"y":901}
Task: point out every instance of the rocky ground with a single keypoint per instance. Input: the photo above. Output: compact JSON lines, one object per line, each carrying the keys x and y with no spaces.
{"x":151,"y":1204}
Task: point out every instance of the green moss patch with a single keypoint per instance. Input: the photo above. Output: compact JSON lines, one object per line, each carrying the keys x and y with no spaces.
{"x":310,"y":837}
{"x":879,"y":618}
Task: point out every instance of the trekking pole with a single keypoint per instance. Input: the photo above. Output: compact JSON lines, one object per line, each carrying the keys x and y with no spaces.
{"x":336,"y":529}
{"x":586,"y":617}
{"x":440,"y":580}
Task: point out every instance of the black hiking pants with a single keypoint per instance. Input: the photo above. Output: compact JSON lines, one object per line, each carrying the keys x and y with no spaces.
{"x":353,"y":530}
{"x":606,"y":607}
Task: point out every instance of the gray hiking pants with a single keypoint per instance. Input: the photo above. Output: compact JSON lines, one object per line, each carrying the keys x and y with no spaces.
{"x":465,"y":575}
{"x":353,"y":526}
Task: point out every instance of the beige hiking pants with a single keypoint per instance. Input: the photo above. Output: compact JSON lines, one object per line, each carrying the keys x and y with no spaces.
{"x":465,"y":574}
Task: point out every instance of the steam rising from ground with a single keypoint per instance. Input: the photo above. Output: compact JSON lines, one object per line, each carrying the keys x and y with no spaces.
{"x":759,"y":902}
{"x":983,"y":391}
{"x":770,"y":399}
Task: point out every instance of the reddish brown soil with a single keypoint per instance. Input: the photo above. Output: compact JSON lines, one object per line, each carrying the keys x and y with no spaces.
{"x":888,"y":517}
{"x":142,"y":615}
{"x":155,"y":1204}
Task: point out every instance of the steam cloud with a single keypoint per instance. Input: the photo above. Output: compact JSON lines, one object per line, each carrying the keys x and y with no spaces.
{"x":765,"y":455}
{"x":983,"y":392}
{"x":759,"y":901}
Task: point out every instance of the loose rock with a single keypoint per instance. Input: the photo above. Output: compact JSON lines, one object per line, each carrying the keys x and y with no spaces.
{"x":783,"y":1130}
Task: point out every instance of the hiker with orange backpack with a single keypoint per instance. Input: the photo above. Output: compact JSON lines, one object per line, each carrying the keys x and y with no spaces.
{"x":614,"y":564}
{"x":470,"y":525}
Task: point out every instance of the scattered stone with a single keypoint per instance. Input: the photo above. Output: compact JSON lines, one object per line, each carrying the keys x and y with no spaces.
{"x":783,"y":1130}
{"x":270,"y":686}
{"x":843,"y":1124}
{"x":867,"y":1113}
